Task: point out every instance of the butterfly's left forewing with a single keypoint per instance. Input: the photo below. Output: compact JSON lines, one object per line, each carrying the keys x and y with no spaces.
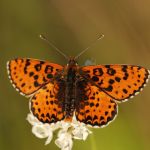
{"x":29,"y":75}
{"x":118,"y":81}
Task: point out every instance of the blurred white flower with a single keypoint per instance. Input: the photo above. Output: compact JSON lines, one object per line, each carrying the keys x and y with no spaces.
{"x":90,"y":61}
{"x":67,"y":131}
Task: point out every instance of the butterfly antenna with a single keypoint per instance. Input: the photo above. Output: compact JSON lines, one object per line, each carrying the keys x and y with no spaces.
{"x":99,"y":38}
{"x":51,"y":44}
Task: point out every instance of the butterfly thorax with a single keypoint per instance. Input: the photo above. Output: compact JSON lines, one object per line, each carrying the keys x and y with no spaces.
{"x":70,"y":94}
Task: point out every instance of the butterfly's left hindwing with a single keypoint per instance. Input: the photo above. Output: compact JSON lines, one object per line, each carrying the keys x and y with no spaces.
{"x":29,"y":75}
{"x":118,"y":81}
{"x":47,"y":104}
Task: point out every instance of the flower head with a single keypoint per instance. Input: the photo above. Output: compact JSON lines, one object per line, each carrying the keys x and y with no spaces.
{"x":67,"y":131}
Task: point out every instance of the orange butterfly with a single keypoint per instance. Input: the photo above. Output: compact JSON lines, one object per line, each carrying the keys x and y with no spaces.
{"x":91,"y":93}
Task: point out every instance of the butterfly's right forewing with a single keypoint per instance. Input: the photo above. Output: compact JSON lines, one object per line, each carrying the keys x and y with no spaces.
{"x":118,"y":81}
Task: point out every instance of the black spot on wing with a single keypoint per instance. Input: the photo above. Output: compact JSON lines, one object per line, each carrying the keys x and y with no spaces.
{"x":109,"y":88}
{"x":38,"y":67}
{"x":91,"y":104}
{"x":36,"y":84}
{"x":126,"y":76}
{"x":125,"y":91}
{"x":95,"y":78}
{"x":111,"y":81}
{"x":48,"y":69}
{"x":31,"y":74}
{"x":111,"y":71}
{"x":36,"y":77}
{"x":107,"y":66}
{"x":26,"y":66}
{"x":117,"y":79}
{"x":98,"y":71}
{"x":23,"y":84}
{"x":124,"y":68}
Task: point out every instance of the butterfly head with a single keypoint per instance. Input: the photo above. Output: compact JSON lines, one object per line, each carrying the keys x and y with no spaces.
{"x":72,"y":61}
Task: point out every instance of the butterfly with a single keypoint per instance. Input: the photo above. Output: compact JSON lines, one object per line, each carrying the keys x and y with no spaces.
{"x":90,"y":93}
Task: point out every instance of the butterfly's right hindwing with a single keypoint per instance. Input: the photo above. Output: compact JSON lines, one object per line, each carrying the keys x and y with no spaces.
{"x":94,"y":107}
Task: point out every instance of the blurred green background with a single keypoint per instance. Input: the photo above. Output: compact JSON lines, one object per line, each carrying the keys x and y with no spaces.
{"x":72,"y":25}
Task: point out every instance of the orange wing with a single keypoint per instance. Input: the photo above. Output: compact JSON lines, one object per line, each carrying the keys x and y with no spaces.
{"x":118,"y":81}
{"x":95,"y":108}
{"x":29,"y":75}
{"x":47,"y":103}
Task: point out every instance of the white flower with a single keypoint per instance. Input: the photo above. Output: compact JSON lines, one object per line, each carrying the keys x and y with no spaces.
{"x":67,"y":132}
{"x":65,"y":125}
{"x":81,"y":132}
{"x":41,"y":130}
{"x":64,"y":140}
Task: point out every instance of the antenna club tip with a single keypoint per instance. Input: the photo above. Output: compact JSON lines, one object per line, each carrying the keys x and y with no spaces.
{"x":42,"y":36}
{"x":101,"y":36}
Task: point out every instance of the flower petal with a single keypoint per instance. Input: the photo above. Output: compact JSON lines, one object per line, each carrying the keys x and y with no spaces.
{"x":32,"y":120}
{"x":81,"y":132}
{"x":64,"y":140}
{"x":41,"y":131}
{"x":50,"y":137}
